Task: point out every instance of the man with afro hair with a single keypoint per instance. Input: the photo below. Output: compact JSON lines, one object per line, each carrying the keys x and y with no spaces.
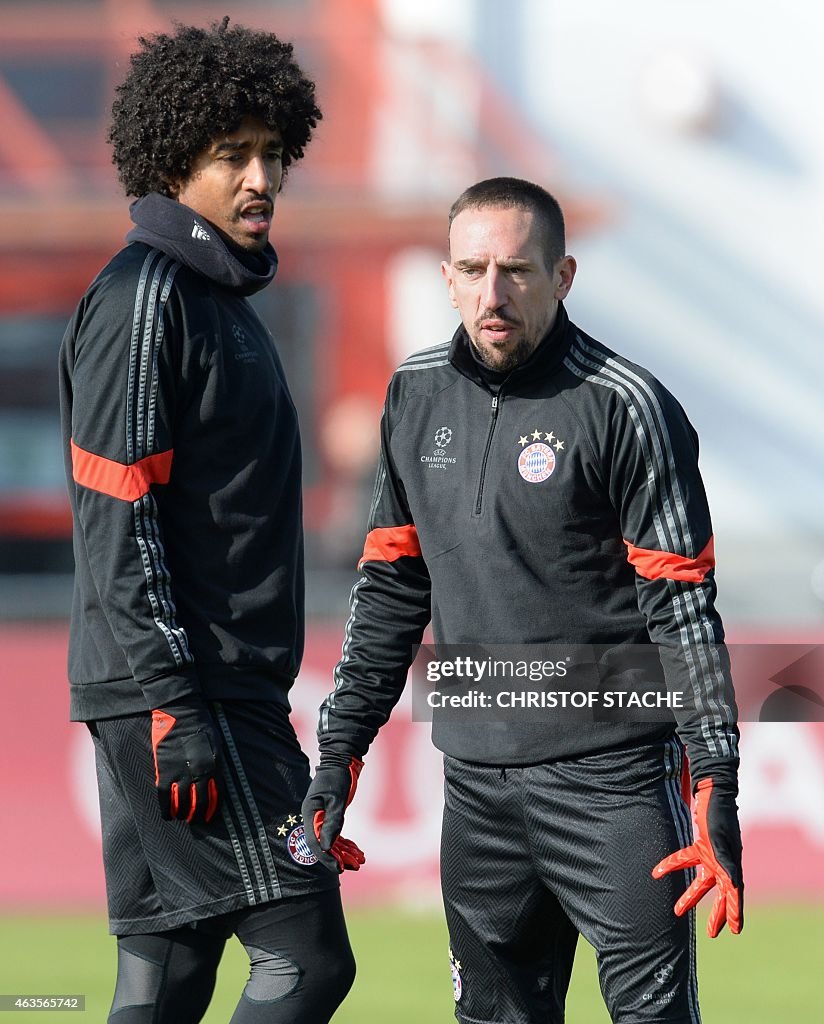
{"x":184,"y":474}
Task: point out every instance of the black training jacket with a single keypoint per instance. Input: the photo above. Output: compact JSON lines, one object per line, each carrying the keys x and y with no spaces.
{"x":567,"y":508}
{"x":183,"y":464}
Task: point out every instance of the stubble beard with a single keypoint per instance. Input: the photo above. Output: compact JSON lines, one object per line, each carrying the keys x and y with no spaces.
{"x":502,"y":361}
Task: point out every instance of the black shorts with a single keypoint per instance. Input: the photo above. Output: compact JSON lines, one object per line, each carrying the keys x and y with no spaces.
{"x":164,"y":874}
{"x":533,"y":856}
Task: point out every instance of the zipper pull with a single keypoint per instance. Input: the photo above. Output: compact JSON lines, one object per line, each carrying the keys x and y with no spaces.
{"x":495,"y":402}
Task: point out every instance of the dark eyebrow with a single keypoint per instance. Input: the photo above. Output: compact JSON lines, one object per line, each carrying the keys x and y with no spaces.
{"x":513,"y":264}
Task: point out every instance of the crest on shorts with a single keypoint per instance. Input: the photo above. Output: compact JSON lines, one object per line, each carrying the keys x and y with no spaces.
{"x":538,"y":455}
{"x":293,"y":832}
{"x":457,"y":982}
{"x":664,"y":974}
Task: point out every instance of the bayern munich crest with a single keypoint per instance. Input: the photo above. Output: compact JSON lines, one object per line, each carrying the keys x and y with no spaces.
{"x":537,"y":458}
{"x":457,"y":983}
{"x":294,"y":833}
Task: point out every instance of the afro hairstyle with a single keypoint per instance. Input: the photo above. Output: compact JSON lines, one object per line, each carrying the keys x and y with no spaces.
{"x":187,"y":88}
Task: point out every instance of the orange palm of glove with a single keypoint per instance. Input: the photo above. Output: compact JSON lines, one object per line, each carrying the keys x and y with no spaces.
{"x":716,"y":854}
{"x":346,"y":852}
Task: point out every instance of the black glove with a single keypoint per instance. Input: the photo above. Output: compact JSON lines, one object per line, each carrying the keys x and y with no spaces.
{"x":330,"y":793}
{"x":185,"y":748}
{"x":716,"y":853}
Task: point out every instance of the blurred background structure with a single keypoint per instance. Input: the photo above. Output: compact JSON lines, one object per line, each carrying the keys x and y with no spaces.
{"x":685,"y":156}
{"x":683,"y":141}
{"x":409,"y":120}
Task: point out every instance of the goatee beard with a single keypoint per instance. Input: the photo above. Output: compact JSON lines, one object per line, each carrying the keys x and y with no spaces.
{"x":503,"y":362}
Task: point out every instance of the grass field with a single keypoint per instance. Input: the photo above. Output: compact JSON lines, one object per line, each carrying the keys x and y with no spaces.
{"x":773,"y":972}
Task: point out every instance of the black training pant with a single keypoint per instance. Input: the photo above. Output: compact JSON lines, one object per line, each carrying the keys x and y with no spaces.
{"x":533,"y":856}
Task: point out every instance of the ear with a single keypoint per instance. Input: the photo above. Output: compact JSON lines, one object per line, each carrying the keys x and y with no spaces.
{"x":446,"y":270}
{"x":564,"y":274}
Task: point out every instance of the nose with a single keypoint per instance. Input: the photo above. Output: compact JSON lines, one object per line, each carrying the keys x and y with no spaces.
{"x":494,"y":289}
{"x":258,"y":177}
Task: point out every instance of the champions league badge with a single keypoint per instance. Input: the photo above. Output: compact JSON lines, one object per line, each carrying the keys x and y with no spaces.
{"x":457,"y":983}
{"x":537,"y":460}
{"x":295,"y":835}
{"x":664,"y":974}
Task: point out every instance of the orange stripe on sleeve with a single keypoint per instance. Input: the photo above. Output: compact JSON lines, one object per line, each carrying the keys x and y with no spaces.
{"x":656,"y":565}
{"x":390,"y":543}
{"x":127,"y":482}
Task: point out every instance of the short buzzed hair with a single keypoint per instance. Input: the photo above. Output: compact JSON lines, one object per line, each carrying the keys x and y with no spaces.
{"x":515,"y":193}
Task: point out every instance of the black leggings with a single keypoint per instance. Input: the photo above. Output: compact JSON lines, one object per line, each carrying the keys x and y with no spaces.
{"x":301,"y":966}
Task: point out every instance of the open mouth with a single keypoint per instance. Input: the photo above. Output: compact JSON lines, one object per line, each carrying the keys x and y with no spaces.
{"x":497,"y":330}
{"x":258,"y":218}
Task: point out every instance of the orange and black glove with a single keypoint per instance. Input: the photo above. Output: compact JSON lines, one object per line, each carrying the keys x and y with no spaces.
{"x":716,"y":853}
{"x":330,"y":793}
{"x":185,"y":748}
{"x":348,"y":856}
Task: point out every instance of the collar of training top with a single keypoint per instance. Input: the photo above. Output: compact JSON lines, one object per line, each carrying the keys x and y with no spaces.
{"x":177,"y":230}
{"x":544,"y":361}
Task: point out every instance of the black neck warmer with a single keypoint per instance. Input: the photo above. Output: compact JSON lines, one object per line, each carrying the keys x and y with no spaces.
{"x":177,"y":230}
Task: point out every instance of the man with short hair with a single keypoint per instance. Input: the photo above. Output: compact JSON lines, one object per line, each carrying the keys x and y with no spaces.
{"x":184,"y":473}
{"x":536,"y":489}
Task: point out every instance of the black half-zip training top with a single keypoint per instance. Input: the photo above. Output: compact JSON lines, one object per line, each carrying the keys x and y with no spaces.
{"x":566,"y":508}
{"x":183,"y":465}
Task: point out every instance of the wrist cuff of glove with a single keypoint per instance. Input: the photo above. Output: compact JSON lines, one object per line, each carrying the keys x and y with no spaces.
{"x":174,"y":688}
{"x":337,"y":759}
{"x":192,"y":703}
{"x":724,"y":778}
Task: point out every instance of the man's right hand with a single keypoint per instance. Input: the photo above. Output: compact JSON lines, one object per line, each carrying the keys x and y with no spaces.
{"x":185,"y":747}
{"x":330,"y":793}
{"x":716,"y":854}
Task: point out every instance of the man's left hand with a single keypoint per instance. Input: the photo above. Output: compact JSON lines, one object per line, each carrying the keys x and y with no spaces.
{"x":716,"y":853}
{"x":348,"y":854}
{"x":330,"y":793}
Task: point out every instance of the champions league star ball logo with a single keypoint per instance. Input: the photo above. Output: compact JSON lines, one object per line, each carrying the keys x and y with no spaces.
{"x":439,"y":459}
{"x":295,"y":835}
{"x":443,"y":435}
{"x":537,"y":461}
{"x":664,"y":974}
